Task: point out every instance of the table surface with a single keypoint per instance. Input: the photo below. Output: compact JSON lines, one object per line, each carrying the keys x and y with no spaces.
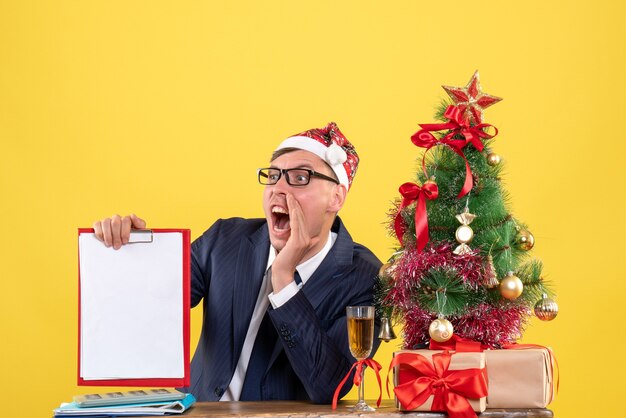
{"x":301,"y":409}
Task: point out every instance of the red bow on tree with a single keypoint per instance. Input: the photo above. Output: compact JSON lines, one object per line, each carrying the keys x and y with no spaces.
{"x":457,"y":126}
{"x":411,"y":192}
{"x":450,"y":388}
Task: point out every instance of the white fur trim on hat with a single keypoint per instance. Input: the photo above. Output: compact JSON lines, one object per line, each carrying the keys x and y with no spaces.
{"x":334,"y":155}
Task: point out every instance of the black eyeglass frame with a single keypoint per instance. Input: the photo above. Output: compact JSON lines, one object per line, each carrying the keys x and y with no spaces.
{"x":285,"y":172}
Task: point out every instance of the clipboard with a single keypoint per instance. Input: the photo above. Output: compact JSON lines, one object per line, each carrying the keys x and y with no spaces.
{"x":133,"y":310}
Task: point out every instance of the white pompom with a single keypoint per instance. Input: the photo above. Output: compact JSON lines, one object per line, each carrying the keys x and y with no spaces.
{"x":335,"y":155}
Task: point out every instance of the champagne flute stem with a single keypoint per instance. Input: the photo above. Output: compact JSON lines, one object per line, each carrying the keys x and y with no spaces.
{"x":362,"y":386}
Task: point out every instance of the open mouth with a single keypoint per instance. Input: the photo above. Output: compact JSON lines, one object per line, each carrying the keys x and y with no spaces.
{"x":280,"y":219}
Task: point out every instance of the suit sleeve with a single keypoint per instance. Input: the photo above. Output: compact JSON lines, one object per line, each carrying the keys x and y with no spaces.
{"x":318,"y":348}
{"x":201,"y":250}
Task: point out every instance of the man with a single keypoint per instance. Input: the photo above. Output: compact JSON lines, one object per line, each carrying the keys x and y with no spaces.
{"x":275,"y":290}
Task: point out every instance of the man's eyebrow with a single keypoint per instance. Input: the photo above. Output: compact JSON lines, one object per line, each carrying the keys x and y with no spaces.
{"x":304,"y":166}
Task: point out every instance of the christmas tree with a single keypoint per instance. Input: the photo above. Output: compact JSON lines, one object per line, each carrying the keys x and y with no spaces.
{"x":463,"y":266}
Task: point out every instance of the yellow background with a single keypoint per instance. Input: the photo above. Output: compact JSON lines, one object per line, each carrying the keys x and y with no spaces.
{"x":167,"y":108}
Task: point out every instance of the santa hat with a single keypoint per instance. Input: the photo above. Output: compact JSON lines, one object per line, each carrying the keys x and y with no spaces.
{"x":331,"y":146}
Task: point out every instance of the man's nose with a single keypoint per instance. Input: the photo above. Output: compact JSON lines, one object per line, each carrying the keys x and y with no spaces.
{"x":281,"y":184}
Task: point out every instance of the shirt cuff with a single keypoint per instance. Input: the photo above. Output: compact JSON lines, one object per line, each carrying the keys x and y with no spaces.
{"x":279,"y":299}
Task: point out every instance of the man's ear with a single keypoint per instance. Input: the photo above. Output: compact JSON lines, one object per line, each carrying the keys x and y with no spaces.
{"x":338,"y":198}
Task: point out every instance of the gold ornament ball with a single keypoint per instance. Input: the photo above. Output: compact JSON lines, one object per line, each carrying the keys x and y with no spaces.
{"x":430,"y":181}
{"x":511,"y":287}
{"x":383,"y":269}
{"x":493,"y":159}
{"x":440,"y":330}
{"x":525,"y":240}
{"x":546,"y":309}
{"x":388,"y":270}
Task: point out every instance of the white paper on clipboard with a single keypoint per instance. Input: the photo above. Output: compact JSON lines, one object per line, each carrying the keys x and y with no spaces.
{"x":131,"y":308}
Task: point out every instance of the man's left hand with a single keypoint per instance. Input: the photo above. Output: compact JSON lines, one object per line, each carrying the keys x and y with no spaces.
{"x":296,"y":248}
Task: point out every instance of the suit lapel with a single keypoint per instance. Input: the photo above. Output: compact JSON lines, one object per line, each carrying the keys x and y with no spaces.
{"x":249,"y":270}
{"x":324,"y":280}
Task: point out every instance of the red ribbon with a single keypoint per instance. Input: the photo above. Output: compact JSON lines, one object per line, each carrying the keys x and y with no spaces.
{"x":457,"y":343}
{"x":457,"y":125}
{"x":357,"y":378}
{"x":450,"y":388}
{"x":411,"y":192}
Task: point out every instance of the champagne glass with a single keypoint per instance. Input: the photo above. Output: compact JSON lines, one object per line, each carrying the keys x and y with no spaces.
{"x":361,"y":338}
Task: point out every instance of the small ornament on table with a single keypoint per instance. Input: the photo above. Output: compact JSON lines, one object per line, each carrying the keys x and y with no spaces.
{"x":524,"y":239}
{"x":546,"y":309}
{"x":511,"y":287}
{"x":464,"y":233}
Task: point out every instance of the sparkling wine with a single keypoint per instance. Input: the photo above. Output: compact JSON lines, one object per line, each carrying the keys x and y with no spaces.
{"x":361,"y":336}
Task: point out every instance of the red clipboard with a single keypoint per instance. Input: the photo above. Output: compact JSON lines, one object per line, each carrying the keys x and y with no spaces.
{"x":182,"y":381}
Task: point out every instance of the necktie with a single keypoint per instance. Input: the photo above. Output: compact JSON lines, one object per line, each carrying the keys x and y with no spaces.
{"x":261,"y":352}
{"x":297,"y":279}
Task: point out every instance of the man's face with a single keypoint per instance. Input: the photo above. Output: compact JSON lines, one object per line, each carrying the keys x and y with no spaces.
{"x":316,"y":199}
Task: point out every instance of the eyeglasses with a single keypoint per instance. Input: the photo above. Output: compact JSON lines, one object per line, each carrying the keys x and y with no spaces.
{"x":294,"y":176}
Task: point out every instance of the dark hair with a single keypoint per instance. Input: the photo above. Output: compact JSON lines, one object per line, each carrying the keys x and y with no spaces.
{"x":287,"y":150}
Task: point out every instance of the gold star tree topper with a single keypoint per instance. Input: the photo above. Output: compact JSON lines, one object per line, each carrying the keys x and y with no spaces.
{"x":471,"y":100}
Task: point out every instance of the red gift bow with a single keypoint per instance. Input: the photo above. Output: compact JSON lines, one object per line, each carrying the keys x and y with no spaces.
{"x":450,"y":388}
{"x":457,"y":125}
{"x":357,"y":378}
{"x":410,"y":193}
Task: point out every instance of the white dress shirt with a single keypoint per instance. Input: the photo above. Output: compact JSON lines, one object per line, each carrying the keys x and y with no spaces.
{"x":305,"y":270}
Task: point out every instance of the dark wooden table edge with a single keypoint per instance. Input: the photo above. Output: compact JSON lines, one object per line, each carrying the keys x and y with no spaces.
{"x":299,"y":409}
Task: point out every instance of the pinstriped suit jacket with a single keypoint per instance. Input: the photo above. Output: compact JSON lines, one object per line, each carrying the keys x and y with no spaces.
{"x":311,"y":356}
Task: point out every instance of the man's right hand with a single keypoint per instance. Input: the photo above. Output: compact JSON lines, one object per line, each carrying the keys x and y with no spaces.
{"x":115,"y":231}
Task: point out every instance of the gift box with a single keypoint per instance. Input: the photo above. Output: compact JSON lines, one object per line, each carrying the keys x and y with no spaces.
{"x":433,"y":380}
{"x":520,"y":378}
